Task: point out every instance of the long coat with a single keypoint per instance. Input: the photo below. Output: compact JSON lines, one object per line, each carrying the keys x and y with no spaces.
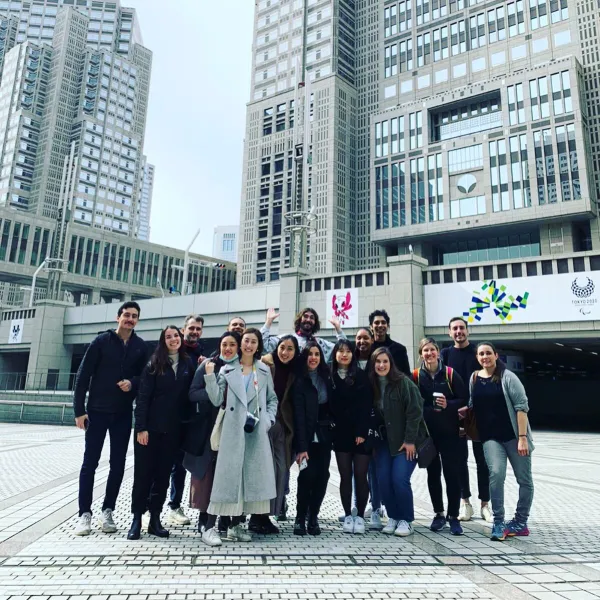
{"x":243,"y":456}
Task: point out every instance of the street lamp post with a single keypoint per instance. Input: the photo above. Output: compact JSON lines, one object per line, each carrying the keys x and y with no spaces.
{"x":301,"y":224}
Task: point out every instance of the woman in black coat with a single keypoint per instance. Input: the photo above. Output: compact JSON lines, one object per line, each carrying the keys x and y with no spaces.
{"x":351,"y":404}
{"x":160,"y":410}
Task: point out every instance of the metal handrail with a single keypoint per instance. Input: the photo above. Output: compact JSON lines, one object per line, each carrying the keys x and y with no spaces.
{"x":63,"y":406}
{"x":46,"y":381}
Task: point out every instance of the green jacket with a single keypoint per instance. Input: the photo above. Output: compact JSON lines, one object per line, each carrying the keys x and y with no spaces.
{"x":403,"y":415}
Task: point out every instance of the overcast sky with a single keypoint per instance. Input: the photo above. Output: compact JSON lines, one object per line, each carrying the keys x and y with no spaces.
{"x":197,"y":111}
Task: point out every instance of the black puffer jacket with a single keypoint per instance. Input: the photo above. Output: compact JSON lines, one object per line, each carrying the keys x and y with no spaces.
{"x":107,"y":361}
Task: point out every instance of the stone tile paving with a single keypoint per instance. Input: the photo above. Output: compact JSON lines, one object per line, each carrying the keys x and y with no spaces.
{"x":38,"y":484}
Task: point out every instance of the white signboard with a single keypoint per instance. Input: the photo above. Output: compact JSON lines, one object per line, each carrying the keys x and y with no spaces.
{"x":343,"y":305}
{"x":544,"y":299}
{"x":16,"y":331}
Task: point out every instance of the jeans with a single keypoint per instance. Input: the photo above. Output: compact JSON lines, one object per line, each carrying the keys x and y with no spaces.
{"x":374,"y":486}
{"x":178,"y":474}
{"x":448,"y":448}
{"x":483,"y":474}
{"x":496,"y":454}
{"x":394,"y":473}
{"x":118,"y":426}
{"x":312,"y":481}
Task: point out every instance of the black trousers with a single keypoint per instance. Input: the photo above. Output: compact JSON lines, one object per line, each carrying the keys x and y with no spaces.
{"x":449,"y":452}
{"x":152,"y":469}
{"x":483,"y":473}
{"x":312,"y":481}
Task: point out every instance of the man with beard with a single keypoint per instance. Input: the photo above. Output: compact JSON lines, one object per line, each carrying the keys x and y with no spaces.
{"x":306,"y":326}
{"x":379,"y":321}
{"x":192,"y":332}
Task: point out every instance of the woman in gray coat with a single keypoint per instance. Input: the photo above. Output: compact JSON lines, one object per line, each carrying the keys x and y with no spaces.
{"x":244,"y":480}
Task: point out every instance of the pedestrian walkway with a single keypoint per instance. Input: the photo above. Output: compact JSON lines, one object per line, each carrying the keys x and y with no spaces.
{"x":42,"y":559}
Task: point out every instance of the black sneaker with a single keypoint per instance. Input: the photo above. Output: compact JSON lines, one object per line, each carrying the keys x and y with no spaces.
{"x":255,"y":525}
{"x":438,"y":523}
{"x":223,"y":524}
{"x":282,"y":516}
{"x":455,"y":527}
{"x":313,"y":527}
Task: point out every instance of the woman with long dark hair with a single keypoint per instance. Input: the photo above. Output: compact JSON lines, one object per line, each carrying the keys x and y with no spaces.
{"x":312,"y":436}
{"x":400,"y":408}
{"x":351,"y":405}
{"x":363,"y":343}
{"x":160,"y":410}
{"x":201,"y":459}
{"x":500,"y":404}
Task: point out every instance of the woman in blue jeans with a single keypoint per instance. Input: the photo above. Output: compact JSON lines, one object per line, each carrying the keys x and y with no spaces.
{"x":500,"y":404}
{"x":400,"y":408}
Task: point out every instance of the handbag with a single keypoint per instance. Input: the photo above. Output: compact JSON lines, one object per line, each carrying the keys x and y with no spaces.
{"x":215,"y":436}
{"x":426,"y":451}
{"x":469,"y":422}
{"x":376,"y":434}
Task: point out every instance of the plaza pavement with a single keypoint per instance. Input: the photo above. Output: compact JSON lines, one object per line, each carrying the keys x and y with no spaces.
{"x":41,"y":558}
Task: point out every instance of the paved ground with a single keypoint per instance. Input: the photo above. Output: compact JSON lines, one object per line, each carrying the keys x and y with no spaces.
{"x":41,"y":559}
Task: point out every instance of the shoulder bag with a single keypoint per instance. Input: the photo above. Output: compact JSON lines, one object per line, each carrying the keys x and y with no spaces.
{"x":426,"y":450}
{"x":215,"y":436}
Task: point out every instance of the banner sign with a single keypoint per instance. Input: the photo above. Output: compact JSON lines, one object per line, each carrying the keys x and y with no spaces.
{"x":15,"y":335}
{"x":343,"y":305}
{"x":542,"y":299}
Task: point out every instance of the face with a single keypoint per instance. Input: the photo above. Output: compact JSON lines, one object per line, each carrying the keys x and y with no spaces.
{"x":249,"y":344}
{"x":314,"y":359}
{"x":363,"y":341}
{"x":382,"y":365}
{"x":487,"y":357}
{"x":128,"y":319}
{"x":193,"y":331}
{"x":307,"y":322}
{"x":172,"y":340}
{"x":238,"y":325}
{"x":286,"y":351}
{"x":458,"y":332}
{"x":343,"y":356}
{"x":380,"y":327}
{"x":430,"y":353}
{"x":228,"y":348}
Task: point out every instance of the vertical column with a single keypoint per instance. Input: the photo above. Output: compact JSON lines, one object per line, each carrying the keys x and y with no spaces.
{"x":289,"y":294}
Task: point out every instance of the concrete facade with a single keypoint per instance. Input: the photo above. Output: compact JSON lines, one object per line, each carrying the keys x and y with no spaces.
{"x":225,"y":242}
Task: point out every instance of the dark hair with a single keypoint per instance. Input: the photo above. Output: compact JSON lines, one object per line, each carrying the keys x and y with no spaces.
{"x":236,"y":336}
{"x":298,"y":319}
{"x":370,"y":333}
{"x":258,"y":334}
{"x":240,"y":318}
{"x":395,"y":376}
{"x":193,"y":318}
{"x":379,"y":313}
{"x":294,"y":362}
{"x":159,"y":361}
{"x":127,"y":305}
{"x":322,"y":369}
{"x":457,"y":319}
{"x":500,"y":366}
{"x":352,"y":367}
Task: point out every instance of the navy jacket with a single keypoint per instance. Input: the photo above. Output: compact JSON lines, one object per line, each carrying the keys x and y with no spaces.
{"x":107,"y":361}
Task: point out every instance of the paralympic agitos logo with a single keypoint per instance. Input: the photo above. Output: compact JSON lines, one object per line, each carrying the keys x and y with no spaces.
{"x":583,"y":289}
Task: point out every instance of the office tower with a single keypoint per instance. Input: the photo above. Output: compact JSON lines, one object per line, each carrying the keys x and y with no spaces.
{"x":225,"y":243}
{"x":144,"y":206}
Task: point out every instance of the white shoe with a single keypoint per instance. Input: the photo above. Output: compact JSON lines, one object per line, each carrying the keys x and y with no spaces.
{"x":106,"y":521}
{"x":84,"y":525}
{"x":178,"y":517}
{"x":348,"y":526}
{"x":211,"y":537}
{"x":145,"y":520}
{"x":359,"y":525}
{"x":403,"y":529}
{"x":375,"y":522}
{"x":390,"y":528}
{"x":368,"y":511}
{"x":486,"y":514}
{"x":466,"y":512}
{"x":238,"y":534}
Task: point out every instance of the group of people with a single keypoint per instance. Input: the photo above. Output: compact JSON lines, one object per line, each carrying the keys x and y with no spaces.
{"x":239,"y":419}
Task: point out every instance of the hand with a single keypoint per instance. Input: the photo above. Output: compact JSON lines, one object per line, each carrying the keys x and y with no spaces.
{"x":300,"y":456}
{"x":142,"y":438}
{"x":411,"y":450}
{"x":272,"y":314}
{"x":81,"y":421}
{"x":359,"y":440}
{"x":441,"y":401}
{"x":523,"y":447}
{"x":462,"y":412}
{"x":209,"y":369}
{"x":201,"y":359}
{"x":336,"y":324}
{"x":125,"y":385}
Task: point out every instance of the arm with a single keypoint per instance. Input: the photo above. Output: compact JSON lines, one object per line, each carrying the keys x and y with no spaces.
{"x":459,"y":392}
{"x":198,"y":394}
{"x":269,"y":341}
{"x":84,"y":375}
{"x":414,"y":413}
{"x":215,"y":388}
{"x":272,"y":400}
{"x":516,"y":392}
{"x":147,"y":385}
{"x":401,"y":359}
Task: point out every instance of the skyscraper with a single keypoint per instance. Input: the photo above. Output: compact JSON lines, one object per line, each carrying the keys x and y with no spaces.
{"x":145,"y":201}
{"x":225,"y":242}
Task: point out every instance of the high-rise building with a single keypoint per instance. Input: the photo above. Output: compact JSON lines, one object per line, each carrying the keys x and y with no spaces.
{"x":225,"y":242}
{"x":145,"y":201}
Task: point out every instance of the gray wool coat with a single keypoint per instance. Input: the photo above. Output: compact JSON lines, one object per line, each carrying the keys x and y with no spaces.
{"x":243,"y":456}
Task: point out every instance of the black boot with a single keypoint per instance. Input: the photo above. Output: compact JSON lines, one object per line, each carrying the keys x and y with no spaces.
{"x":136,"y":528}
{"x":300,"y":526}
{"x":223,"y":524}
{"x":202,"y":520}
{"x":269,"y":528}
{"x":155,"y":526}
{"x":282,"y":516}
{"x":313,"y":525}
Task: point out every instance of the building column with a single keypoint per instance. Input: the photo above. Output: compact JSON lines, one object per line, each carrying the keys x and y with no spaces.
{"x":289,"y":294}
{"x":94,"y":297}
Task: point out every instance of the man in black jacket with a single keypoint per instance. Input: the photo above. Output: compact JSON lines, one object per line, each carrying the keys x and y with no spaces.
{"x":379,"y":321}
{"x":110,"y":371}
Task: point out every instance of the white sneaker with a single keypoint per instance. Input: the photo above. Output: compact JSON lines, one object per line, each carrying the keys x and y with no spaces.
{"x":390,"y":528}
{"x":84,"y":525}
{"x":178,"y":517}
{"x":348,"y":526}
{"x":466,"y":512}
{"x":486,"y":514}
{"x":211,"y":537}
{"x":238,"y":534}
{"x":375,"y":522}
{"x":359,"y":525}
{"x":106,"y":521}
{"x":145,"y":520}
{"x":403,"y":529}
{"x":368,"y":511}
